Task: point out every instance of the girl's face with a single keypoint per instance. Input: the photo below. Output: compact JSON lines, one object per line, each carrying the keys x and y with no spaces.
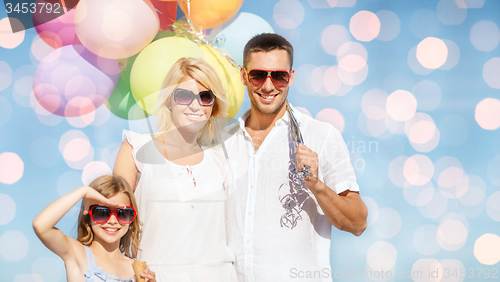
{"x":111,"y":231}
{"x":190,"y":117}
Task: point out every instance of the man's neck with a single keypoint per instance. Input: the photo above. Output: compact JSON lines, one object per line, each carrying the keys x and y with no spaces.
{"x":258,"y":125}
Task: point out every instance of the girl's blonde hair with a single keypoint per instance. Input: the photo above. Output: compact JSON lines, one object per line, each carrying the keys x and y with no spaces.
{"x":109,"y":186}
{"x":205,"y":74}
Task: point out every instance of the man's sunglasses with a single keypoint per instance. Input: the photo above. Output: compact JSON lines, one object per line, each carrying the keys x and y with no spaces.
{"x":101,"y":214}
{"x":186,"y":97}
{"x":280,"y":78}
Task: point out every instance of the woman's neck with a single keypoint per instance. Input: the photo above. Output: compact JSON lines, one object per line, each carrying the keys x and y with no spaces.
{"x":106,"y":249}
{"x":180,"y":138}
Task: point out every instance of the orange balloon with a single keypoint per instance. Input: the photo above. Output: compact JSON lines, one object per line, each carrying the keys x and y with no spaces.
{"x":206,"y":14}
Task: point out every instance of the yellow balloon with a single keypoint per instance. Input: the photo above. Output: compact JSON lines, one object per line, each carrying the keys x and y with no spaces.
{"x":206,"y":14}
{"x":229,"y":76}
{"x":152,"y":65}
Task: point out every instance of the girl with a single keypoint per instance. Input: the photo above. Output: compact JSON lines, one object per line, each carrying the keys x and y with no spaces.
{"x":108,"y":232}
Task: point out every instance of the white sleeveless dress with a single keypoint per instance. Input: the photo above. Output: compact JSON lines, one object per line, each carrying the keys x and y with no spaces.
{"x":182,"y":209}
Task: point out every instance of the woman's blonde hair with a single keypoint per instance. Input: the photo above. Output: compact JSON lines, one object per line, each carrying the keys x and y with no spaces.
{"x":205,"y":74}
{"x":109,"y":186}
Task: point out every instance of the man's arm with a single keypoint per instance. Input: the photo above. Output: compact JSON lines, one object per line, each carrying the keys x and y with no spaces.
{"x":346,"y":211}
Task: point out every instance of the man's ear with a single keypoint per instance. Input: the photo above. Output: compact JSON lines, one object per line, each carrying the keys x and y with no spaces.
{"x":243,"y":76}
{"x":292,"y":77}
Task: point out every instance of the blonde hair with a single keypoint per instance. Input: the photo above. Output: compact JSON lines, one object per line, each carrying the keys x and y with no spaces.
{"x":109,"y":186}
{"x":205,"y":74}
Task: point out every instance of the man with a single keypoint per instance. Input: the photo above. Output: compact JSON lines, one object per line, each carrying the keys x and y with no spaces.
{"x":275,"y":228}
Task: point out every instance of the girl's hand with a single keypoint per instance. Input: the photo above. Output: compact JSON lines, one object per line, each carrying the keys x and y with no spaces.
{"x":92,"y":197}
{"x":149,"y":275}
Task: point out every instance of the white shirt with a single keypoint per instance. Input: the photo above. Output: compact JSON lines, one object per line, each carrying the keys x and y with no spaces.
{"x":264,"y":249}
{"x":182,"y":213}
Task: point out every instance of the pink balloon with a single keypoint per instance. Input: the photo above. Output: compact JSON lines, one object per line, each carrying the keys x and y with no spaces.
{"x":116,"y":29}
{"x":72,"y":81}
{"x":56,"y":32}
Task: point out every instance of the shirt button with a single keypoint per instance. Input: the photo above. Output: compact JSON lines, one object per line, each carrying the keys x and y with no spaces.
{"x":251,"y":186}
{"x":248,"y":268}
{"x":249,"y":213}
{"x":248,"y":240}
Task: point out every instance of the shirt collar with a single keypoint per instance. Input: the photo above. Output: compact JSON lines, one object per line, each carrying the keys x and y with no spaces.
{"x":284,"y":119}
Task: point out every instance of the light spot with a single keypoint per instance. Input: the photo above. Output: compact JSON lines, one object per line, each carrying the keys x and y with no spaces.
{"x":487,"y":249}
{"x":302,"y":81}
{"x":11,"y":168}
{"x":13,"y":246}
{"x":23,"y":90}
{"x":491,"y":72}
{"x":451,"y":235}
{"x":422,"y":132}
{"x":418,"y":170}
{"x":389,"y":25}
{"x":432,"y":52}
{"x":93,"y":170}
{"x":488,"y":114}
{"x":415,"y":65}
{"x":83,"y":120}
{"x":331,"y":81}
{"x":381,"y":256}
{"x":493,"y":170}
{"x":426,"y":267}
{"x":485,"y":35}
{"x":388,"y":223}
{"x":28,"y":278}
{"x":8,"y":38}
{"x":333,"y":117}
{"x":475,"y":192}
{"x":424,"y":240}
{"x":333,"y":37}
{"x":470,"y":4}
{"x":417,"y":195}
{"x":373,"y":104}
{"x":7,"y":209}
{"x":76,"y":149}
{"x":492,"y":206}
{"x":49,"y":268}
{"x":373,"y":210}
{"x":453,"y":55}
{"x":396,"y":171}
{"x":435,"y":207}
{"x":401,"y":105}
{"x":352,"y":63}
{"x":40,"y":49}
{"x":5,"y":75}
{"x":288,"y":14}
{"x":364,"y":26}
{"x":449,"y":13}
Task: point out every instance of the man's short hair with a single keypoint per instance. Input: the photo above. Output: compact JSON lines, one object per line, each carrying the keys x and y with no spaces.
{"x":266,"y":42}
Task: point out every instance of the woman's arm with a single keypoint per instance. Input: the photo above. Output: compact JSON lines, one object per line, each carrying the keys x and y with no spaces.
{"x":44,"y":223}
{"x":125,"y":165}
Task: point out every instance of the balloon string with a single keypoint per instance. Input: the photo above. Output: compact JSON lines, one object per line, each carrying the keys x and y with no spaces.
{"x":197,"y":36}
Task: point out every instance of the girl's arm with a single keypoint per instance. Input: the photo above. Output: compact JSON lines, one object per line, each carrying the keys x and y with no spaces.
{"x":44,"y":223}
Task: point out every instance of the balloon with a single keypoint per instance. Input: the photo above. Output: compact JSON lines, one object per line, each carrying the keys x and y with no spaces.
{"x":229,"y":76}
{"x":121,"y":102}
{"x":167,"y":12}
{"x":206,"y":14}
{"x":152,"y":65}
{"x":72,"y":81}
{"x":116,"y":29}
{"x":57,"y":32}
{"x":233,"y":35}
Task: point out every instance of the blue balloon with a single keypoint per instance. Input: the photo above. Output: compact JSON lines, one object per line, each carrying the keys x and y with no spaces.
{"x":232,"y":36}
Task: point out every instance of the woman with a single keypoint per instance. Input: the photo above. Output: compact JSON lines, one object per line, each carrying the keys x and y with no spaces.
{"x":179,"y":185}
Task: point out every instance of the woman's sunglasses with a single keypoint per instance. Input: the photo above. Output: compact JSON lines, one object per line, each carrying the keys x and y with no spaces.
{"x":101,"y":214}
{"x":280,"y":78}
{"x":186,"y":97}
